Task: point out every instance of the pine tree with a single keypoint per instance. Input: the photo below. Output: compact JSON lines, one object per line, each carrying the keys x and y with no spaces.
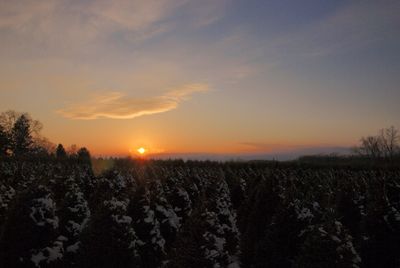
{"x":4,"y":142}
{"x":31,"y":230}
{"x":188,"y":248}
{"x":151,"y":244}
{"x":221,"y":235}
{"x":328,"y":245}
{"x":74,"y":216}
{"x":165,"y":214}
{"x":7,"y":194}
{"x":60,"y":152}
{"x":110,"y":240}
{"x":84,"y":155}
{"x":21,"y":136}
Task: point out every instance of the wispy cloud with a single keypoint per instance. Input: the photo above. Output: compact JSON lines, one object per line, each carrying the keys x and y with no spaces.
{"x":133,"y":15}
{"x":16,"y":14}
{"x":70,"y":25}
{"x":117,"y":105}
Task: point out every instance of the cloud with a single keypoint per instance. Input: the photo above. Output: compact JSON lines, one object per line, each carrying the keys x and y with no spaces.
{"x":70,"y":25}
{"x":134,"y":15}
{"x":127,"y":14}
{"x":117,"y":105}
{"x":16,"y":14}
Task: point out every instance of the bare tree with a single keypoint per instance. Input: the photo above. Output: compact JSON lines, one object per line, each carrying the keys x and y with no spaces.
{"x":72,"y":150}
{"x":389,"y":139}
{"x":21,"y":134}
{"x":383,"y":145}
{"x":9,"y":118}
{"x":43,"y":145}
{"x":370,"y":147}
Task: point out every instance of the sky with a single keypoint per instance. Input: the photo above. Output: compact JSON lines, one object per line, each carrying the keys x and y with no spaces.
{"x":207,"y":76}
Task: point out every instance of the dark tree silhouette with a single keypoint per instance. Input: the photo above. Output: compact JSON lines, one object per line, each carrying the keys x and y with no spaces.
{"x":83,"y":154}
{"x":21,"y":136}
{"x":370,"y":147}
{"x":384,"y":145}
{"x":4,"y":142}
{"x":390,"y":142}
{"x":60,"y":152}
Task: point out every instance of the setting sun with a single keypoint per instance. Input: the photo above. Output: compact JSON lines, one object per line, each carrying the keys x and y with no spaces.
{"x":141,"y":150}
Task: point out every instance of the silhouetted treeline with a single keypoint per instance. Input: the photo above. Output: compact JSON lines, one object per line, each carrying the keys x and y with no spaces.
{"x":20,"y":138}
{"x":349,"y":162}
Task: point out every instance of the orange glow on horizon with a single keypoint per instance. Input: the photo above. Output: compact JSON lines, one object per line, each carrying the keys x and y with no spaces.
{"x":185,"y":148}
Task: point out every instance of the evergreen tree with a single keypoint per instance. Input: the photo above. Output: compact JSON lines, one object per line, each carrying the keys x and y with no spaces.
{"x":30,"y":232}
{"x":222,"y":235}
{"x":4,"y":142}
{"x":328,"y":245}
{"x":60,"y":152}
{"x":165,"y":214}
{"x":151,"y":243}
{"x":110,"y":240}
{"x":74,"y":216}
{"x":7,"y":194}
{"x":21,"y":136}
{"x":83,"y":154}
{"x":188,"y":248}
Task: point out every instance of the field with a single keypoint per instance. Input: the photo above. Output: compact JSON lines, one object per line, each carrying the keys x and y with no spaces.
{"x":57,"y":213}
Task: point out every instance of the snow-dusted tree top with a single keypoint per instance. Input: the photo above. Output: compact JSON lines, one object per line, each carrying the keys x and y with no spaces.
{"x":167,"y":214}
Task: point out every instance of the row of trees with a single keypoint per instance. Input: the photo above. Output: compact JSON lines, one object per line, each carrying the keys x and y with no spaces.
{"x":20,"y":136}
{"x":72,"y":153}
{"x":384,"y":145}
{"x":176,"y":214}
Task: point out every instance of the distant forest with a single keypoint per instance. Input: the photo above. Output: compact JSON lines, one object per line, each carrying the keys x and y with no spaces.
{"x":61,"y":208}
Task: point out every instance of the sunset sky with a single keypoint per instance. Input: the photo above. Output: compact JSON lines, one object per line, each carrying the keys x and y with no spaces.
{"x":204,"y":76}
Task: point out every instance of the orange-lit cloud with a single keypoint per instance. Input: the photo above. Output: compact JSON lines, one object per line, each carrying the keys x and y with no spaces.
{"x":117,"y":105}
